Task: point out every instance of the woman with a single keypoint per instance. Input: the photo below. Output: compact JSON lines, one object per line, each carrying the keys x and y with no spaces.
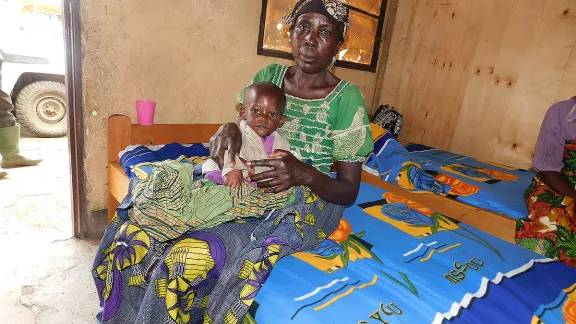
{"x":550,"y":228}
{"x":213,"y":276}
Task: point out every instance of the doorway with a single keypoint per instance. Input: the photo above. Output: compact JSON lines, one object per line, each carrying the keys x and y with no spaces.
{"x":41,"y":71}
{"x":41,"y":206}
{"x":32,"y":73}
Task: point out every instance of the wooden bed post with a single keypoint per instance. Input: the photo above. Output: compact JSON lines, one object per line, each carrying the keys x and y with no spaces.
{"x":119,"y":136}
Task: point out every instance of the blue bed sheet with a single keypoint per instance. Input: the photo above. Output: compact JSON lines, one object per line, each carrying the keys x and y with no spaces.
{"x":394,"y":261}
{"x":489,"y":186}
{"x":504,"y":196}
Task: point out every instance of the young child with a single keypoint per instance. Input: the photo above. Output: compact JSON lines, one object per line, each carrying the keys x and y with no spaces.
{"x":262,"y":113}
{"x":204,"y":204}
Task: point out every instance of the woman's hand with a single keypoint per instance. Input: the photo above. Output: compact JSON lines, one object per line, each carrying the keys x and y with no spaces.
{"x":287,"y":171}
{"x":227,"y":138}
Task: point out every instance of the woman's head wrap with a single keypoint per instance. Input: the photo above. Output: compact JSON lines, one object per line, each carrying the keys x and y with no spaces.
{"x":335,"y":10}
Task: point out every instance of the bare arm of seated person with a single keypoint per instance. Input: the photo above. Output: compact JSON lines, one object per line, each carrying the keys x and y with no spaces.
{"x":344,"y":189}
{"x":557,"y":182}
{"x":287,"y":171}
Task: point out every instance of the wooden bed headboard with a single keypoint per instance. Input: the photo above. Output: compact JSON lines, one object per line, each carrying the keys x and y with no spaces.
{"x":121,"y":133}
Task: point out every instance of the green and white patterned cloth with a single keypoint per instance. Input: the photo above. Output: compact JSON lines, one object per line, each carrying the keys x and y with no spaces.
{"x":169,"y":202}
{"x":335,"y":128}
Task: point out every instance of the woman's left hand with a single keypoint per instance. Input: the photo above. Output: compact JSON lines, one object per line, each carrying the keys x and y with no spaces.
{"x":287,"y":171}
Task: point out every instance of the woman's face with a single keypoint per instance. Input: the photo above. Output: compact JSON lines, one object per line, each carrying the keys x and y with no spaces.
{"x":314,"y":42}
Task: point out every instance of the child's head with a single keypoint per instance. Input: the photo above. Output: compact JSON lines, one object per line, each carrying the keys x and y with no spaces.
{"x":263,"y":108}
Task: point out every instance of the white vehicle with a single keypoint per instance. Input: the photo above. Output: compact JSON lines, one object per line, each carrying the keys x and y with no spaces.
{"x":32,"y":47}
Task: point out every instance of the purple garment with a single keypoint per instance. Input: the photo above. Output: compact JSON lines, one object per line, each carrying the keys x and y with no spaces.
{"x":268,"y":142}
{"x":558,"y":126}
{"x":216,"y":176}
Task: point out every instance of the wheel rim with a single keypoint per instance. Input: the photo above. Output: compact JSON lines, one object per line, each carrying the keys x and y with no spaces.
{"x":51,"y":110}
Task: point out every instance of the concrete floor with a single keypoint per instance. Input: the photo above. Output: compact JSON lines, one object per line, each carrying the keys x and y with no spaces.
{"x":44,"y":272}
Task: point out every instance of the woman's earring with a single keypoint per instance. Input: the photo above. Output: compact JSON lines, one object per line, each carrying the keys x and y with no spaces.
{"x":332,"y":64}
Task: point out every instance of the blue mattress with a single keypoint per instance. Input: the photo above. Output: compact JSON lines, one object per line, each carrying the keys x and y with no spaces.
{"x":489,"y":186}
{"x":497,"y":188}
{"x":394,"y":261}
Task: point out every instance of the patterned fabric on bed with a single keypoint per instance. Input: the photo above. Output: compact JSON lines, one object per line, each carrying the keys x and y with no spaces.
{"x":134,"y":157}
{"x":481,"y":184}
{"x":389,"y":260}
{"x":394,"y":261}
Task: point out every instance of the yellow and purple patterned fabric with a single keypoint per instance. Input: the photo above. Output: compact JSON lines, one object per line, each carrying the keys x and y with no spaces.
{"x":394,"y":261}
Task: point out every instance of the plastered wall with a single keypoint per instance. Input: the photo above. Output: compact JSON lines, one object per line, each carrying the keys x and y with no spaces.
{"x":191,"y":57}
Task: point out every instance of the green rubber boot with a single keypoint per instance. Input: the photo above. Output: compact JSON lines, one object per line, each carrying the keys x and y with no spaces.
{"x":10,"y":149}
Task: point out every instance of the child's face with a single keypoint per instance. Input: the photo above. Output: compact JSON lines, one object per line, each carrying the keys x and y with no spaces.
{"x":263,"y":114}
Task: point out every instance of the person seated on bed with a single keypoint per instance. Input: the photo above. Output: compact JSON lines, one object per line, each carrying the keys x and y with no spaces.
{"x":261,"y":114}
{"x":550,"y":228}
{"x":213,"y":275}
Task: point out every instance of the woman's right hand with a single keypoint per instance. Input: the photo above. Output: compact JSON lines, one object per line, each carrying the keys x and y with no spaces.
{"x":227,"y":138}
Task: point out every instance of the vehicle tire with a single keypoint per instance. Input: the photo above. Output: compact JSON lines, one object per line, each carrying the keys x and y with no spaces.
{"x":41,"y":108}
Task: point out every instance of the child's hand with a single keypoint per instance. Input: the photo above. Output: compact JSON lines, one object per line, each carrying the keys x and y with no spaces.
{"x":233,"y":179}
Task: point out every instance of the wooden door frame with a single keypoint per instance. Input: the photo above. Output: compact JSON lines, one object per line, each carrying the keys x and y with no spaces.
{"x":72,"y":34}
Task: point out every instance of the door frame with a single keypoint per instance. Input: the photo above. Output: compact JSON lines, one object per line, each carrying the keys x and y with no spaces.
{"x":72,"y":35}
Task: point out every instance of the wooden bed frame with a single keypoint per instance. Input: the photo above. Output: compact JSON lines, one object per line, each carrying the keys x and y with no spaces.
{"x":121,"y":133}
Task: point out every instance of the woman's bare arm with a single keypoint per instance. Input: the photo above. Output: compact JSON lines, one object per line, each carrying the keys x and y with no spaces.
{"x":558,"y":183}
{"x":344,"y":189}
{"x":287,"y":171}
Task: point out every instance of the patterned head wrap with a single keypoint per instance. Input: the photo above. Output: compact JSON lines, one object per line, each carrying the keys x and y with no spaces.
{"x":335,"y":10}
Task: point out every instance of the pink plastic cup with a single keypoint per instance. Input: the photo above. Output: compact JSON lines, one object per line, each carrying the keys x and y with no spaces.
{"x":145,"y":110}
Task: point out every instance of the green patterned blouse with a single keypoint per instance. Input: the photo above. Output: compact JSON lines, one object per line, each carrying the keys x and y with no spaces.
{"x":335,"y":128}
